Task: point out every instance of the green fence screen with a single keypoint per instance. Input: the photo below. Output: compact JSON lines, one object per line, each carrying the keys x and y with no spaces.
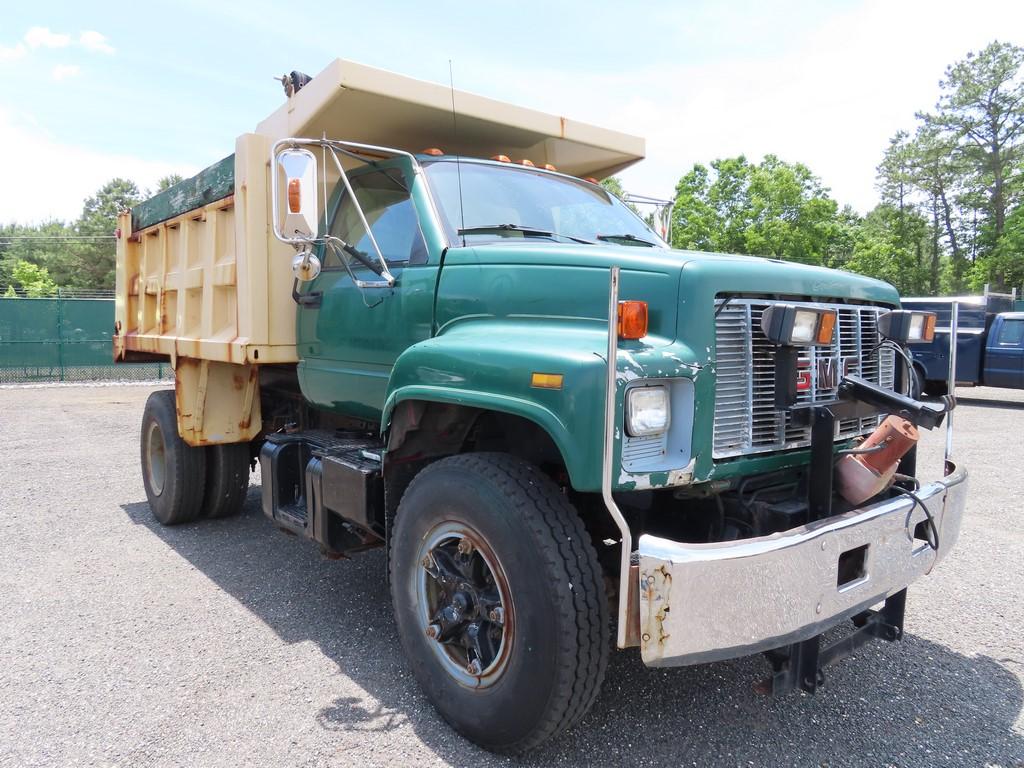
{"x":64,"y":339}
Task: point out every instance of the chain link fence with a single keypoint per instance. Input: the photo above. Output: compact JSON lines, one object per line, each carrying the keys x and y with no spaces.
{"x":66,"y":337}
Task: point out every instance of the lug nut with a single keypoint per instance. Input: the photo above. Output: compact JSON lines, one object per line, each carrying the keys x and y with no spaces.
{"x":433,"y":631}
{"x":465,"y":547}
{"x":474,"y":667}
{"x":427,"y":562}
{"x":497,"y":615}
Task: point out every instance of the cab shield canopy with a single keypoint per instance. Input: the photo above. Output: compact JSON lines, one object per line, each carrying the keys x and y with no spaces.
{"x":353,"y":102}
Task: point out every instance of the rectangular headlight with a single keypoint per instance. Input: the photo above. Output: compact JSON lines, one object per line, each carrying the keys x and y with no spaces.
{"x":906,"y":327}
{"x":647,"y":411}
{"x":794,"y":325}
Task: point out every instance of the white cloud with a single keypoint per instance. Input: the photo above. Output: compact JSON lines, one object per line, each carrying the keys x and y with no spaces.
{"x":64,"y":71}
{"x":9,"y":53}
{"x":42,"y":37}
{"x":36,"y":197}
{"x":93,"y":41}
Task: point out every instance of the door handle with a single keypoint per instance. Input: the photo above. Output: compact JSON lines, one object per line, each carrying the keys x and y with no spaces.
{"x":313,"y":299}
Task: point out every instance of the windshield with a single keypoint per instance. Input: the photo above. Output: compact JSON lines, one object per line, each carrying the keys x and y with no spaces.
{"x":502,"y":201}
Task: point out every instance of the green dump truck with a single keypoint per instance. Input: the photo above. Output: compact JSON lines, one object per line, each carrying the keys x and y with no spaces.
{"x":438,"y":334}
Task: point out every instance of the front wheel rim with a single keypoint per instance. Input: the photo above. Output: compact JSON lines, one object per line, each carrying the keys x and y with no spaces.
{"x":464,"y":604}
{"x":156,"y":458}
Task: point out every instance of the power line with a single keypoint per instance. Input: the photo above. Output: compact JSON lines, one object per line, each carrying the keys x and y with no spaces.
{"x":6,"y":238}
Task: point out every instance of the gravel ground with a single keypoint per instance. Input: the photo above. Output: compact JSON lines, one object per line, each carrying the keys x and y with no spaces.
{"x":227,"y":643}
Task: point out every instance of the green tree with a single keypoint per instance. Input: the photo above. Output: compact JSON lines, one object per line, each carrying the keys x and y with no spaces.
{"x":961,"y":170}
{"x":44,"y":244}
{"x":1003,"y":268}
{"x":888,"y":244}
{"x":937,"y":173}
{"x":774,"y":208}
{"x":34,"y":280}
{"x":982,"y":109}
{"x":166,"y":182}
{"x":94,"y":258}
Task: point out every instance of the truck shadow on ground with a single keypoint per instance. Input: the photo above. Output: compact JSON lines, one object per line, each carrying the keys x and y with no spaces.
{"x":912,"y":703}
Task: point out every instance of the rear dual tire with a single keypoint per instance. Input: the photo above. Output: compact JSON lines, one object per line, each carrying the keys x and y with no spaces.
{"x":184,"y":483}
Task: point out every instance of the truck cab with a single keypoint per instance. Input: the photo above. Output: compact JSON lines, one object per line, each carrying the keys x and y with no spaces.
{"x":470,"y":203}
{"x":1004,"y":352}
{"x":989,"y":349}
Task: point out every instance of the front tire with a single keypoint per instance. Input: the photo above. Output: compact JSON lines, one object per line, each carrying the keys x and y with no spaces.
{"x":499,"y":600}
{"x":173,"y":472}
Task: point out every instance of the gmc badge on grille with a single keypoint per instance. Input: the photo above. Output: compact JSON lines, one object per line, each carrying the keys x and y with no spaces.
{"x":827,"y":373}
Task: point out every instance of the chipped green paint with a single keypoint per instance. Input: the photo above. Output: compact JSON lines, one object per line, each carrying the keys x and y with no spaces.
{"x":210,"y":184}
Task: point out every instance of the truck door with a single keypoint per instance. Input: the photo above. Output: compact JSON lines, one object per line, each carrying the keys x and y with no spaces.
{"x":1004,"y":353}
{"x":348,"y":341}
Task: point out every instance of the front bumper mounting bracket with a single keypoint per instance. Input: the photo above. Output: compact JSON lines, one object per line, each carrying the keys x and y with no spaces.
{"x":800,"y":666}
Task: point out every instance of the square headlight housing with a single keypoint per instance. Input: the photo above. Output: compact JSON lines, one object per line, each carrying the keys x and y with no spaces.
{"x":647,"y":410}
{"x":906,"y":327}
{"x":797,"y":325}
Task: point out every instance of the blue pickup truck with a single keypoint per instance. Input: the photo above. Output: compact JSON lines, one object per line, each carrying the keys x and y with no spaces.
{"x":990,"y":343}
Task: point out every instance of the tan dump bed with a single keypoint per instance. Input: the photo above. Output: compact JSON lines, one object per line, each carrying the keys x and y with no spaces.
{"x":209,"y":287}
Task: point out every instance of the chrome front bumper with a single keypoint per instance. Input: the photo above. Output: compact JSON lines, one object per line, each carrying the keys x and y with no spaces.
{"x":706,"y":602}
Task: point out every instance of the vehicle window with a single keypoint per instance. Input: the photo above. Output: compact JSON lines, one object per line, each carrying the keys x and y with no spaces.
{"x":473,"y":194}
{"x":1012,"y":332}
{"x":390,"y":213}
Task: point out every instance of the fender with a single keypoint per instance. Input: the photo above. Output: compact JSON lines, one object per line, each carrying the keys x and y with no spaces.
{"x":488,"y":363}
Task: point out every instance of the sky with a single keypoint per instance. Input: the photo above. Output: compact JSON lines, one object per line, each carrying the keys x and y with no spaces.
{"x":95,"y":90}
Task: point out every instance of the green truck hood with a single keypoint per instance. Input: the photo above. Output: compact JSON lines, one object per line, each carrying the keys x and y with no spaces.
{"x":541,"y":279}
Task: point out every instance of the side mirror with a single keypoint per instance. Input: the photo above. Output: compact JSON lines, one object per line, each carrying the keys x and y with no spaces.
{"x":296,"y":217}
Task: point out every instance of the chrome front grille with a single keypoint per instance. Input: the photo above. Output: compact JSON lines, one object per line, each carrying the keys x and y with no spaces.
{"x":746,"y":420}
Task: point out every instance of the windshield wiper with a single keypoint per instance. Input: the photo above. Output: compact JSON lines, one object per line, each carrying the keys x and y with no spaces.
{"x":488,"y":229}
{"x":628,"y":238}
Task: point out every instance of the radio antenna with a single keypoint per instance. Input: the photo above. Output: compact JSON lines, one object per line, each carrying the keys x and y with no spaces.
{"x":455,"y":141}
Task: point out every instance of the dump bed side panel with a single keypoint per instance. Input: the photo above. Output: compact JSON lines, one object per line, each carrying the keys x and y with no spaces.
{"x":210,"y":283}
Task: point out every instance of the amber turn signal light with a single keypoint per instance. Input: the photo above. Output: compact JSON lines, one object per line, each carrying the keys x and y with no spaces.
{"x":632,"y":319}
{"x":826,"y":327}
{"x":294,"y":195}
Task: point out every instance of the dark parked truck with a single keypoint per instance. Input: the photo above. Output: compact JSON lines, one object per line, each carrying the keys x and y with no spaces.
{"x":989,"y":341}
{"x":439,"y":334}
